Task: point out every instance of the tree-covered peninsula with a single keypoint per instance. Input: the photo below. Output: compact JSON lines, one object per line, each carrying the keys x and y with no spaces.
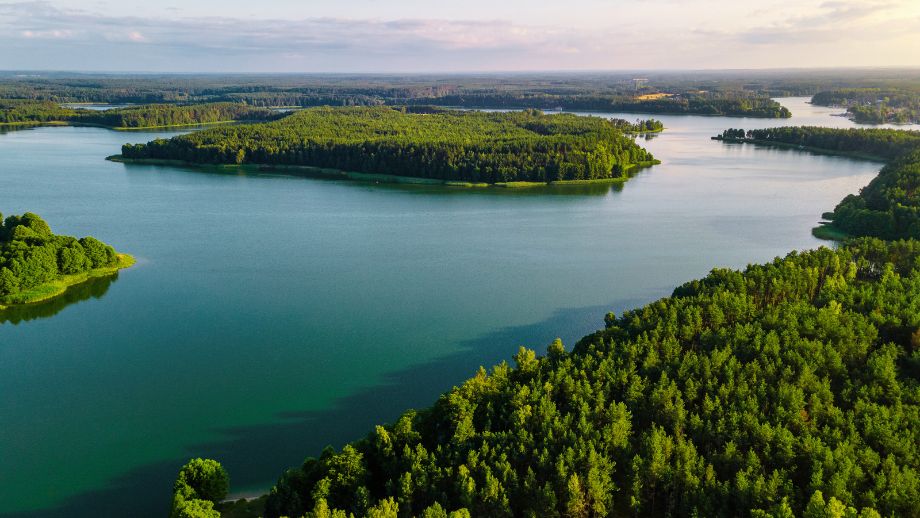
{"x":889,"y":207}
{"x":24,"y":111}
{"x":875,"y":105}
{"x":36,"y":264}
{"x":787,"y":389}
{"x":420,"y":142}
{"x":165,"y":115}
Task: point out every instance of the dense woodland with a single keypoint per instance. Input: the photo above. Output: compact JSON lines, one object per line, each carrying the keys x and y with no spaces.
{"x":32,"y":256}
{"x":153,"y":115}
{"x":889,"y":207}
{"x":421,"y":142}
{"x":149,"y":115}
{"x":788,"y":389}
{"x":875,"y":105}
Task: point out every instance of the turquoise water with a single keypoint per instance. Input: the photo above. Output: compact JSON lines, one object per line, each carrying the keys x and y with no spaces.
{"x":269,"y":316}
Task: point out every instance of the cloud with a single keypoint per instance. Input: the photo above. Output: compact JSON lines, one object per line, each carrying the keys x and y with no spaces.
{"x":401,"y":44}
{"x":316,"y":34}
{"x":837,"y":21}
{"x":669,"y":34}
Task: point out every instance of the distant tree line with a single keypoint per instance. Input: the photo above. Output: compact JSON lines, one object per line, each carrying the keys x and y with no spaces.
{"x":875,"y":105}
{"x":153,"y":115}
{"x":150,"y":115}
{"x":732,"y":104}
{"x":724,"y":104}
{"x":574,"y":92}
{"x":423,"y":142}
{"x":20,"y":111}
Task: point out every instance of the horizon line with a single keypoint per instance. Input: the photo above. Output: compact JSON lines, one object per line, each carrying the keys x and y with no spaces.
{"x":471,"y":72}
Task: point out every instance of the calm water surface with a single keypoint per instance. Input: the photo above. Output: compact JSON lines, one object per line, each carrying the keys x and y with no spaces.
{"x":270,"y":316}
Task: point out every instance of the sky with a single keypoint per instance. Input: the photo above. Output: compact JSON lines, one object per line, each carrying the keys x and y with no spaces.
{"x":414,"y":36}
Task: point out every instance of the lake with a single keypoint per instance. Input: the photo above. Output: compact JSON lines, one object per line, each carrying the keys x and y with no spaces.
{"x":269,"y":316}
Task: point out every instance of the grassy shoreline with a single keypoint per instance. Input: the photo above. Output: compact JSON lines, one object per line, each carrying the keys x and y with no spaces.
{"x":336,"y":174}
{"x":59,"y":286}
{"x":646,"y":132}
{"x":828,"y":232}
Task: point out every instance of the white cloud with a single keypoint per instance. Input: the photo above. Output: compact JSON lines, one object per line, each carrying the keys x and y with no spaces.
{"x":839,"y":21}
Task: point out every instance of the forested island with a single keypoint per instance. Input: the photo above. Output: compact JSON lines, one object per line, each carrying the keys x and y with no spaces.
{"x":452,"y":146}
{"x":889,"y":207}
{"x":18,"y":111}
{"x":875,"y":105}
{"x":36,"y":264}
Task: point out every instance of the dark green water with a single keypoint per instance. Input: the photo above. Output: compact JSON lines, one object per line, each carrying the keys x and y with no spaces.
{"x":270,"y":316}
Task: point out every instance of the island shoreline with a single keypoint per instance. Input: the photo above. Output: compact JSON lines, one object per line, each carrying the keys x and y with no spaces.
{"x":337,"y":174}
{"x":50,"y":290}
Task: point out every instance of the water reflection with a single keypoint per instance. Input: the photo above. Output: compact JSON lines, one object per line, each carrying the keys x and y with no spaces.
{"x":594,"y":188}
{"x":94,"y":288}
{"x":9,"y":128}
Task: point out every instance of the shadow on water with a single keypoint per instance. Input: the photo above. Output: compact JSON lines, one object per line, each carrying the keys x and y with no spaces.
{"x":9,"y":128}
{"x":256,"y":455}
{"x":94,"y":288}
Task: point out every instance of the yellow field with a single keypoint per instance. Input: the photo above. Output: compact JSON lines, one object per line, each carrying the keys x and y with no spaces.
{"x":652,"y":97}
